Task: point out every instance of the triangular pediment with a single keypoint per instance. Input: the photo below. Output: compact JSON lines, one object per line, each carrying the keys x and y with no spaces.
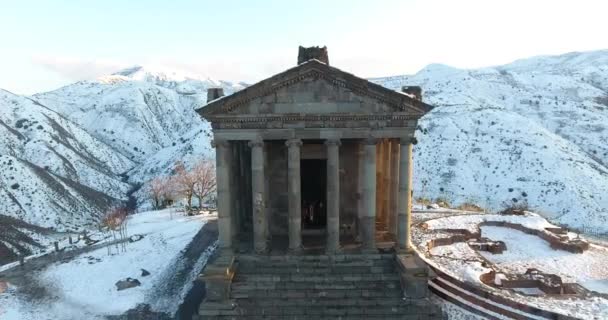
{"x":314,"y":88}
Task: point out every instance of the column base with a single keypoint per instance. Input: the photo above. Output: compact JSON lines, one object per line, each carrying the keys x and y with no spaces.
{"x":333,"y":251}
{"x":295,"y":251}
{"x":261,"y":251}
{"x":369,"y":250}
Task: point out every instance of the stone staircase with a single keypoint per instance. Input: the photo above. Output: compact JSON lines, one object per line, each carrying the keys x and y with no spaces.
{"x":345,"y":286}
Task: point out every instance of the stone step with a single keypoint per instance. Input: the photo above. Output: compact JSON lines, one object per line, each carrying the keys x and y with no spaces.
{"x":317,"y":302}
{"x":319,"y":278}
{"x":321,"y":317}
{"x":318,"y":264}
{"x":317,"y":271}
{"x":341,"y":285}
{"x":312,"y":312}
{"x":314,"y":293}
{"x":318,"y":258}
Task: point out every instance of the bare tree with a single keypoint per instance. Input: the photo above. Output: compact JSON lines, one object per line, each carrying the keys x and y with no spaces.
{"x":204,"y":175}
{"x":185,"y":182}
{"x":115,"y":221}
{"x":157,"y":190}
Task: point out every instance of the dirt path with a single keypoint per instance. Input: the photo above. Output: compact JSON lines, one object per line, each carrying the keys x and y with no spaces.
{"x":26,"y":277}
{"x":18,"y":274}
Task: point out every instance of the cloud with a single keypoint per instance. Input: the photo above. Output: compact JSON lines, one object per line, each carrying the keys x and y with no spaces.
{"x":218,"y":68}
{"x":76,"y":69}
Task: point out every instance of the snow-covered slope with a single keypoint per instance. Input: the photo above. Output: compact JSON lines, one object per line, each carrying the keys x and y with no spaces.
{"x":53,"y":173}
{"x":146,"y":116}
{"x":535,"y":130}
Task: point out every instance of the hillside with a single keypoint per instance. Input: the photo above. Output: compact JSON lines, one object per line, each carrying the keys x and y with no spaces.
{"x":144,"y":115}
{"x":531,"y":131}
{"x":53,"y":173}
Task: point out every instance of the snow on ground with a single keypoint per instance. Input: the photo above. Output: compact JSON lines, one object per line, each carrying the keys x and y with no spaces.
{"x":87,"y":283}
{"x":587,"y":267}
{"x":523,"y":251}
{"x":455,"y":312}
{"x":452,"y":257}
{"x":529,"y":220}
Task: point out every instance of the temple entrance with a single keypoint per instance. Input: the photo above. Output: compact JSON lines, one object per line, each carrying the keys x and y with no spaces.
{"x":314,"y":193}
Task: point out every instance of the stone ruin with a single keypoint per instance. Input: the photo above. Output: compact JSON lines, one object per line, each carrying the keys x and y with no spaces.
{"x":549,"y":284}
{"x":557,"y":238}
{"x":485,"y":244}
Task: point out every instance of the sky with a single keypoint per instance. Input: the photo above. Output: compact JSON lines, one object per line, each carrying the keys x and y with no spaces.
{"x":48,"y":44}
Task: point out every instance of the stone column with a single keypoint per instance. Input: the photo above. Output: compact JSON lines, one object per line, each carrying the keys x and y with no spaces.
{"x":386,"y":176}
{"x":368,"y":222}
{"x":258,"y":201}
{"x":405,"y":194}
{"x":360,"y":195}
{"x":295,"y":196}
{"x":224,"y":192}
{"x":394,"y":188}
{"x":333,"y":195}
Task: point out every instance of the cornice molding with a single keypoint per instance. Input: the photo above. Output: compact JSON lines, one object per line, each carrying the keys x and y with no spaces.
{"x":314,"y":70}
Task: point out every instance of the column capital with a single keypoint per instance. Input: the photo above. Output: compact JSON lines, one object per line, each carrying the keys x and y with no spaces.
{"x":219,"y":143}
{"x":409,"y":140}
{"x":256,"y":143}
{"x":290,"y":143}
{"x":333,"y":142}
{"x":370,"y":141}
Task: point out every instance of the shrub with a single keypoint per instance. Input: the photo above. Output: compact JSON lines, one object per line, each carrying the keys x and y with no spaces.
{"x":469,"y":206}
{"x":423,"y":201}
{"x":515,"y":208}
{"x":442,"y":202}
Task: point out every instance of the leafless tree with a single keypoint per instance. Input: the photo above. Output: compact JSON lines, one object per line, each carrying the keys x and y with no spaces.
{"x":115,"y":222}
{"x":205,"y":180}
{"x":157,"y":190}
{"x":185,"y":181}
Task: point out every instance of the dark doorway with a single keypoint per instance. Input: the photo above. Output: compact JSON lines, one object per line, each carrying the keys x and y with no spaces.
{"x":314,"y":193}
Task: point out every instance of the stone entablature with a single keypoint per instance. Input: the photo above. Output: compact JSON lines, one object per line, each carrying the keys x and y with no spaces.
{"x":289,"y":121}
{"x":547,"y":283}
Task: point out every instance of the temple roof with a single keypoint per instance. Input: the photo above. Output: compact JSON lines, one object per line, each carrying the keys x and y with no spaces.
{"x":315,"y":69}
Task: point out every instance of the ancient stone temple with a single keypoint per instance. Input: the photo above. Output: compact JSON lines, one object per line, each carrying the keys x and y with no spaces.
{"x":313,"y":161}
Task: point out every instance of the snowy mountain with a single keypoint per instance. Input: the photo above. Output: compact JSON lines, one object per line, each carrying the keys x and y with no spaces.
{"x":531,"y":131}
{"x":53,"y":173}
{"x":146,"y":116}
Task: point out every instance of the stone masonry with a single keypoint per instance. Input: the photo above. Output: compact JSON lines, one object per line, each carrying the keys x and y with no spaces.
{"x":313,"y":163}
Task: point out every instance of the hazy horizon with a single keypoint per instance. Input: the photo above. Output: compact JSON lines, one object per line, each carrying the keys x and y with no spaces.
{"x":62,"y":42}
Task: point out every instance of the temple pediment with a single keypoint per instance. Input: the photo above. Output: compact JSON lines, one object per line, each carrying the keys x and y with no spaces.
{"x":314,"y":88}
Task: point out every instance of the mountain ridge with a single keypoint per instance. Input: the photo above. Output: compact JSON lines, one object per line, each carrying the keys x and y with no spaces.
{"x":534,"y":127}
